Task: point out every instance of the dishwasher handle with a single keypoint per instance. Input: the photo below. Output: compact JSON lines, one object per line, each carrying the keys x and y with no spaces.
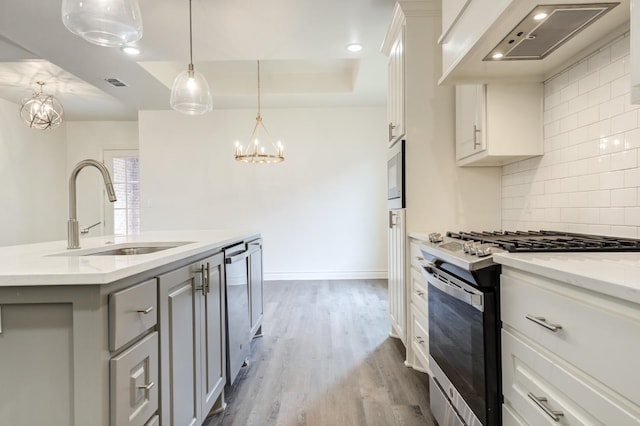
{"x":253,"y":248}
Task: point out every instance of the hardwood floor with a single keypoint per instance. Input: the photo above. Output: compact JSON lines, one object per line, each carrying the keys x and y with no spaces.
{"x":326,"y":358}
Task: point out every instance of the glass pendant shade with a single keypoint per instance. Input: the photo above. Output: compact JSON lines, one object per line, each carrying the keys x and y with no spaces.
{"x":41,"y":111}
{"x":103,"y":22}
{"x":190,"y":93}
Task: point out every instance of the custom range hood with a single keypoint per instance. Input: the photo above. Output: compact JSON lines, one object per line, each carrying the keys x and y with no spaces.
{"x":495,"y":41}
{"x":545,"y":29}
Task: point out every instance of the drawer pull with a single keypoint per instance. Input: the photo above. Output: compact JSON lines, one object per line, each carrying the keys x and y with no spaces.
{"x":147,"y":387}
{"x":420,"y":340}
{"x":420,"y":293}
{"x":541,"y":321}
{"x":541,"y":402}
{"x":145,"y":311}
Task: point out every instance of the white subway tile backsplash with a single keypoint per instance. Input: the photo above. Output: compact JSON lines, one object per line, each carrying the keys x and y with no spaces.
{"x":588,"y":116}
{"x":621,"y":86}
{"x":624,"y":122}
{"x":624,"y":160}
{"x":612,"y":180}
{"x":620,"y":48}
{"x":598,"y":60}
{"x":588,"y":83}
{"x":625,"y":197}
{"x":612,"y":107}
{"x":611,"y":72}
{"x":588,"y":180}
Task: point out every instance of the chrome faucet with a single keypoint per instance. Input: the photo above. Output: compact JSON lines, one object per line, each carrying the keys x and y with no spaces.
{"x":73,"y":234}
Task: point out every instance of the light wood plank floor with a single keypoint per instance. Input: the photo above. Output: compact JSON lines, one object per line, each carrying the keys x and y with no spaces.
{"x":326,"y":358}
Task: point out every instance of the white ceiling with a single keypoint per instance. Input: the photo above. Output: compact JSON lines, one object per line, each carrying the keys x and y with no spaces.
{"x":300,"y":43}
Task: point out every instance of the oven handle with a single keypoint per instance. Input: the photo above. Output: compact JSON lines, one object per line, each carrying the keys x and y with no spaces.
{"x":457,"y":291}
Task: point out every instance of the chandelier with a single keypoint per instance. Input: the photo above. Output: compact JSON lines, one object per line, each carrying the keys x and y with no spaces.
{"x":41,"y":111}
{"x":103,"y":22}
{"x":190,"y":91}
{"x":256,"y":152}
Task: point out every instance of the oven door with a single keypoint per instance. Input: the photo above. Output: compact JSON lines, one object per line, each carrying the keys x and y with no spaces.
{"x":463,"y":347}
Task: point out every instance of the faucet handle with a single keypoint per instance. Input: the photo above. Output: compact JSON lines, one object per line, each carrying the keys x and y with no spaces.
{"x":86,"y":229}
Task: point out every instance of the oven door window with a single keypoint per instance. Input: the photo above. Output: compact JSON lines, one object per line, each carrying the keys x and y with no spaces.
{"x":456,"y":344}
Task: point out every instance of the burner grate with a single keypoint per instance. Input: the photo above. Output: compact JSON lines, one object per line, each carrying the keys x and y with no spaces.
{"x":548,"y":241}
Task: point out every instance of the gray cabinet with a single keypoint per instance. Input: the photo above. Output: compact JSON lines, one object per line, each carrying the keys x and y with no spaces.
{"x":255,"y":286}
{"x":192,"y":343}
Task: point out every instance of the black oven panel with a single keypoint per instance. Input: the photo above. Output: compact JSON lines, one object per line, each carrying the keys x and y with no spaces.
{"x":463,"y":342}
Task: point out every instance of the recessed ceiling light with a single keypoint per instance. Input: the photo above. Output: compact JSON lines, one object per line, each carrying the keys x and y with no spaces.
{"x":131,"y":50}
{"x":354,"y":47}
{"x":539,"y":16}
{"x":497,"y":55}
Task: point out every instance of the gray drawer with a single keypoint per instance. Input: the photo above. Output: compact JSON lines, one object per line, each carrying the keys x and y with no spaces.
{"x":132,"y":311}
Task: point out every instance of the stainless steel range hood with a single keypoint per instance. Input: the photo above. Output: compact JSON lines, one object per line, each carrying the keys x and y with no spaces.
{"x":546,"y":28}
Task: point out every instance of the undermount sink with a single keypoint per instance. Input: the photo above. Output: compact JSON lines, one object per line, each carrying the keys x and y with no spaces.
{"x":125,"y":249}
{"x":129,"y":251}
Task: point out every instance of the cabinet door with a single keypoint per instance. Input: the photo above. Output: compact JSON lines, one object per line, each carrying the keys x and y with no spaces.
{"x":213,"y":326}
{"x":397,"y":302}
{"x":180,"y":346}
{"x":255,"y":288}
{"x":395,"y":107}
{"x":470,"y":112}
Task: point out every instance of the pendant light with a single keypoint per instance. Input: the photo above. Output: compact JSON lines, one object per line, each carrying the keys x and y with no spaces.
{"x":103,"y":22}
{"x":41,"y":111}
{"x":256,"y":152}
{"x":190,"y":92}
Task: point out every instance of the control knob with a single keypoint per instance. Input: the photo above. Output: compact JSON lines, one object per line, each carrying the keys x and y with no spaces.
{"x":484,"y":250}
{"x":435,"y":237}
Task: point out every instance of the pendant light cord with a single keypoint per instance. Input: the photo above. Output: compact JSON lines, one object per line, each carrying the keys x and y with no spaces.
{"x":190,"y":37}
{"x":259,"y":89}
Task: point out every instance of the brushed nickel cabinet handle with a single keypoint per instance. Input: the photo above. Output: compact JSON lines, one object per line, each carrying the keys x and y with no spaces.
{"x":475,"y":137}
{"x":145,"y":311}
{"x":391,"y":128}
{"x":419,"y":339}
{"x":208,"y":280}
{"x":147,"y":387}
{"x":420,"y":292}
{"x":543,"y":322}
{"x":541,"y":402}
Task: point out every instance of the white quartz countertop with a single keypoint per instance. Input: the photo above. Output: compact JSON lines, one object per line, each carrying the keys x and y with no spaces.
{"x":50,"y":263}
{"x":614,"y":274}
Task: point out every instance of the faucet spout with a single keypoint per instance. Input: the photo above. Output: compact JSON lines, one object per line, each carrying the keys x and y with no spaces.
{"x":73,"y":234}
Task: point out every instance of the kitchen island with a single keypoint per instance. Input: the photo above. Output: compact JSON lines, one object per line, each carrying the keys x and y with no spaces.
{"x":570,"y":327}
{"x":105,"y":335}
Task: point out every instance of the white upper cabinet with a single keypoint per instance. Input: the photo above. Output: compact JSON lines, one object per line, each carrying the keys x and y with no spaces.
{"x":497,"y":124}
{"x":472,"y":30}
{"x":395,"y":106}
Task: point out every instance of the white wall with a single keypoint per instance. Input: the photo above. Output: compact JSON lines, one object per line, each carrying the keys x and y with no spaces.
{"x":89,"y":139}
{"x":32,"y":176}
{"x":589,"y":177}
{"x":322,"y":212}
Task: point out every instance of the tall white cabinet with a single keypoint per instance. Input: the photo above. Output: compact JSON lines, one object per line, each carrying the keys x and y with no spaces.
{"x":396,"y":280}
{"x":439,"y":195}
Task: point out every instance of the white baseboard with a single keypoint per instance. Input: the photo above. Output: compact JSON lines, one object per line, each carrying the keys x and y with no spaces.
{"x":327,"y":275}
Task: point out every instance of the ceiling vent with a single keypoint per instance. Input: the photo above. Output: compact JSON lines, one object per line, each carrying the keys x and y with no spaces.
{"x":545,"y":29}
{"x":115,"y":82}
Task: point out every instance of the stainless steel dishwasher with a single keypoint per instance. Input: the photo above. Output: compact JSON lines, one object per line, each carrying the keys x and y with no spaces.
{"x":238,"y":324}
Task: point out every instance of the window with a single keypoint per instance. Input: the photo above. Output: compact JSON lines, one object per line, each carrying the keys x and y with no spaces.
{"x":123,"y":216}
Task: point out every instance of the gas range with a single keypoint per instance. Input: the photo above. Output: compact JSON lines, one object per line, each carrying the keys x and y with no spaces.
{"x":474,"y":250}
